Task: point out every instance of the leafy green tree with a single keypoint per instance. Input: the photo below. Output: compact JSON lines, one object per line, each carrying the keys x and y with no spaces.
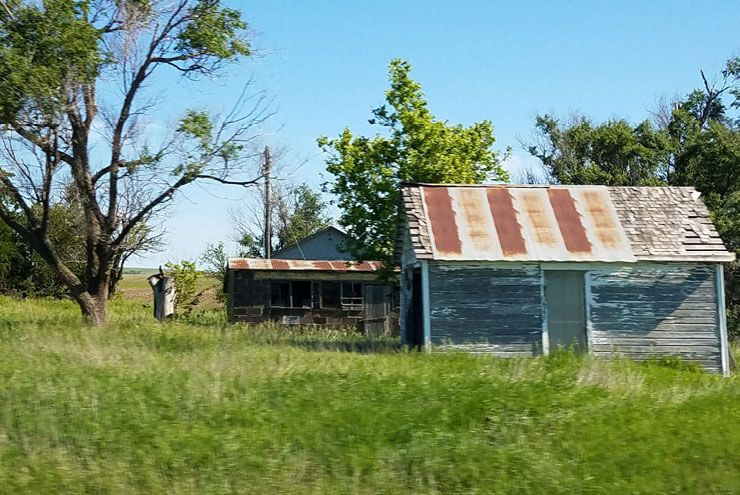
{"x":300,"y":213}
{"x":56,"y":58}
{"x":705,"y":131}
{"x":185,"y":275}
{"x":416,"y":147}
{"x":15,"y":262}
{"x":296,"y":212}
{"x":215,"y":258}
{"x":614,"y":153}
{"x":251,"y":247}
{"x":697,"y":143}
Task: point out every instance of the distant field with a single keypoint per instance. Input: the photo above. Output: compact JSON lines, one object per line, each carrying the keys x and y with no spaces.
{"x":134,"y":287}
{"x":198,"y":406}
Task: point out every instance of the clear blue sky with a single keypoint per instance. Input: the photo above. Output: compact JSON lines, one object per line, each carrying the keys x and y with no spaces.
{"x":325,"y":65}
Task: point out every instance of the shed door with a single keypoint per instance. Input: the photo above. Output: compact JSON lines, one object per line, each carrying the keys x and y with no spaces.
{"x":566,"y":314}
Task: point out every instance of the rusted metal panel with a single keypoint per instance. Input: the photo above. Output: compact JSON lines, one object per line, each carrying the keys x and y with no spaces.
{"x":503,"y":223}
{"x":504,"y":217}
{"x":539,"y":221}
{"x":569,"y":221}
{"x":442,"y":218}
{"x":281,"y":264}
{"x":302,"y":265}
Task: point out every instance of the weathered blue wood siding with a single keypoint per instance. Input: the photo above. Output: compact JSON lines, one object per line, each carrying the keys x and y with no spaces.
{"x":652,"y":310}
{"x":643,"y":310}
{"x":481,"y":308}
{"x":323,"y":245}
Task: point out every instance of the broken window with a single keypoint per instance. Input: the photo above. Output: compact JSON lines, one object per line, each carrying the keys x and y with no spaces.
{"x":291,"y":294}
{"x":331,"y":295}
{"x":352,"y":295}
{"x":301,"y":292}
{"x":280,"y":294}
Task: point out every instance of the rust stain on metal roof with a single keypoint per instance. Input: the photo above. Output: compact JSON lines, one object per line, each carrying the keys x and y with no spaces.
{"x":280,"y":265}
{"x":474,"y":224}
{"x":605,"y":226}
{"x":237,"y":264}
{"x":442,"y":219}
{"x":508,"y":229}
{"x":569,"y":221}
{"x":302,"y":265}
{"x":535,"y":209}
{"x":510,"y":223}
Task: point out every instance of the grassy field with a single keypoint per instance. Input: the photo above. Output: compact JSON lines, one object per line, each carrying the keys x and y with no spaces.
{"x":135,"y":288}
{"x":202,"y":407}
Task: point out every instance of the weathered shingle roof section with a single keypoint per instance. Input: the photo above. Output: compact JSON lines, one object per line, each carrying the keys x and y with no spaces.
{"x":416,"y":222}
{"x":669,"y":223}
{"x":559,"y":223}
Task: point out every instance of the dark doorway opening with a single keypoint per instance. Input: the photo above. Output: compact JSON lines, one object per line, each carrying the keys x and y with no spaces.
{"x":415,"y":315}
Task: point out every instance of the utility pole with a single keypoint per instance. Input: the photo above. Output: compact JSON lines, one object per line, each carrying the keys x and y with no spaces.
{"x":268,"y":217}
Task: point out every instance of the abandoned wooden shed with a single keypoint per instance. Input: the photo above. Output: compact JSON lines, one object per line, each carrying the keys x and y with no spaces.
{"x":310,"y":292}
{"x":521,"y":270}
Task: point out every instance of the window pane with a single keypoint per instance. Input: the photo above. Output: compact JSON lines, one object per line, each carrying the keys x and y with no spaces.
{"x":280,"y":294}
{"x":330,"y":295}
{"x":302,"y":294}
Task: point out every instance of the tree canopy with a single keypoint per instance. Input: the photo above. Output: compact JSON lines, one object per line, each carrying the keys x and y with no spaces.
{"x":694,"y":142}
{"x":296,"y":212}
{"x":414,"y":147}
{"x":56,"y":59}
{"x":614,"y":153}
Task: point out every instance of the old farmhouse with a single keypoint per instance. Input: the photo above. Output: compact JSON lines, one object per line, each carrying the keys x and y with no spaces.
{"x":319,"y":287}
{"x":521,"y":270}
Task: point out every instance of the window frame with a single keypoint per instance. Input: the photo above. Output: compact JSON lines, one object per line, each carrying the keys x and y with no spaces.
{"x":323,"y":305}
{"x":349,"y":305}
{"x":291,"y":301}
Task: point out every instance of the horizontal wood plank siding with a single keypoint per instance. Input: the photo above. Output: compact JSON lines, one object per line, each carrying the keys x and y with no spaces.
{"x":481,"y":308}
{"x":249,"y":300}
{"x":653,"y":310}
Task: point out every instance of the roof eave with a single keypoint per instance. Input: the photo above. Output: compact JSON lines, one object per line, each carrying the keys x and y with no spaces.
{"x":714,"y":258}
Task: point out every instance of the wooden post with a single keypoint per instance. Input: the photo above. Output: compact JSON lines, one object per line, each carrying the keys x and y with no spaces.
{"x":268,"y":210}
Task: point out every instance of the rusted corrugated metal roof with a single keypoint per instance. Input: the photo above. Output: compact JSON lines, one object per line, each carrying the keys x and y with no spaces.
{"x":559,"y":223}
{"x":522,"y":224}
{"x":302,"y":265}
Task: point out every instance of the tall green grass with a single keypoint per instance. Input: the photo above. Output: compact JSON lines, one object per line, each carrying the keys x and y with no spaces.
{"x":202,"y":407}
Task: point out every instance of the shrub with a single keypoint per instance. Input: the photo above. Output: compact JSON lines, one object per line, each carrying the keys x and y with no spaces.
{"x":186,"y":280}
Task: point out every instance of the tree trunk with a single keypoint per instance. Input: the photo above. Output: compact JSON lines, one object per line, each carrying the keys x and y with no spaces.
{"x":94,"y":310}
